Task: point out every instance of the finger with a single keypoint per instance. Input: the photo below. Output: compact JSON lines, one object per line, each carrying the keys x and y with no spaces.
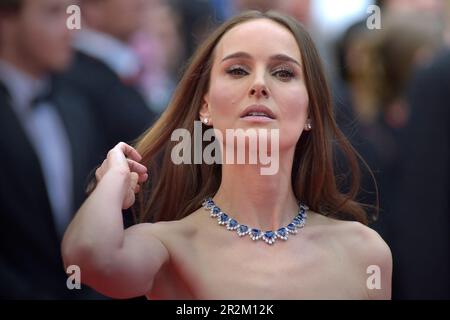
{"x":136,"y":167}
{"x":98,"y":175}
{"x":116,"y":158}
{"x":143,"y":177}
{"x":134,"y":177}
{"x":137,"y":188}
{"x":100,"y":171}
{"x":129,"y":151}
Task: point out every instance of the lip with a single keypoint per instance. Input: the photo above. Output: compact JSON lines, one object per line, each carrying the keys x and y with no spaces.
{"x":258,"y":108}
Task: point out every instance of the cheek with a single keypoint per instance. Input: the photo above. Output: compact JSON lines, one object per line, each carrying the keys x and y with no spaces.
{"x":224,"y":97}
{"x":293,"y":106}
{"x":48,"y":41}
{"x":51,"y":44}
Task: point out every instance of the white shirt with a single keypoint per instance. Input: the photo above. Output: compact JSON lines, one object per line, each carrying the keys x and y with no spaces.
{"x":111,"y":51}
{"x":47,"y":134}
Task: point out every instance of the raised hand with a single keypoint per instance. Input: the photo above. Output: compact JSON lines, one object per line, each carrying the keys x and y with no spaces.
{"x":124,"y":160}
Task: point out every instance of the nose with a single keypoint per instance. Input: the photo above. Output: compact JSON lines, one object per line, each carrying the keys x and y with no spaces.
{"x":259,"y":90}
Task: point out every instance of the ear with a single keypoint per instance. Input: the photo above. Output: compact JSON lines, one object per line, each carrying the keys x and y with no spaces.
{"x":204,"y":112}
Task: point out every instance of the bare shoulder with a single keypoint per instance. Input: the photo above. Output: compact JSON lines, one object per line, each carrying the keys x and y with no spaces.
{"x":171,"y":232}
{"x":363,"y":246}
{"x":354,"y":236}
{"x":364,"y":243}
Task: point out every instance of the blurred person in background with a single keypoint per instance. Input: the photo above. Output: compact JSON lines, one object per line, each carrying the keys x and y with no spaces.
{"x":376,"y":66}
{"x":411,"y":6}
{"x":159,"y":48}
{"x":299,"y":9}
{"x":371,"y":96}
{"x":106,"y":69}
{"x":421,"y":225}
{"x":47,"y":139}
{"x":375,"y":69}
{"x":197,"y":20}
{"x":260,"y":5}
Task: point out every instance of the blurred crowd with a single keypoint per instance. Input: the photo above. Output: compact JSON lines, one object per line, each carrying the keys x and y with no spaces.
{"x":68,"y":96}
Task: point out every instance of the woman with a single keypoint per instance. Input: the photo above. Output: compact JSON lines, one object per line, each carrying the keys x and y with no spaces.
{"x":257,"y":71}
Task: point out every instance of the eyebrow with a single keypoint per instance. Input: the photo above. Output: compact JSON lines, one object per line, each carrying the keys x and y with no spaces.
{"x":277,"y":57}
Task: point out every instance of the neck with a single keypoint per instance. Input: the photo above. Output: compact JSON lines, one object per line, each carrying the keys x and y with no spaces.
{"x":266,"y":202}
{"x":22,"y":63}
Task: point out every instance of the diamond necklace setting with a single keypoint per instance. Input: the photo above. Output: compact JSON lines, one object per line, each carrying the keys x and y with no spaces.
{"x":255,"y":234}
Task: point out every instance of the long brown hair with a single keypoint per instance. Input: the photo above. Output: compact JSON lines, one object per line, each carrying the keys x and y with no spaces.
{"x":174,"y":191}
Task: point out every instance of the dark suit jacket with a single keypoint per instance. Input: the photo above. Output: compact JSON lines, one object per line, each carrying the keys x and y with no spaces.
{"x":30,"y":258}
{"x":120,"y":109}
{"x":420,"y":224}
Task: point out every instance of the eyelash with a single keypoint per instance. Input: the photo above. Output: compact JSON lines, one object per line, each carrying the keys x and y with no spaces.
{"x":240,"y":71}
{"x":287,"y":72}
{"x":233,"y":71}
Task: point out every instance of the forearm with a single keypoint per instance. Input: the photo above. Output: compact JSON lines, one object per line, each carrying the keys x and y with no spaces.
{"x":97,"y":232}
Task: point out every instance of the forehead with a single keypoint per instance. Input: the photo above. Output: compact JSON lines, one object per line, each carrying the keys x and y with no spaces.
{"x":260,"y":38}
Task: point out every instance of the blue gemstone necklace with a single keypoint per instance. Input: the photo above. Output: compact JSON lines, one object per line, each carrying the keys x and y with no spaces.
{"x":255,"y":234}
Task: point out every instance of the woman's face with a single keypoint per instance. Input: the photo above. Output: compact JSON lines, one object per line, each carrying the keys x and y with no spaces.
{"x":258,"y":63}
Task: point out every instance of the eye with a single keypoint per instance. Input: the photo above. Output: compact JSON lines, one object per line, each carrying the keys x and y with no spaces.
{"x":284,"y":74}
{"x":237,"y":71}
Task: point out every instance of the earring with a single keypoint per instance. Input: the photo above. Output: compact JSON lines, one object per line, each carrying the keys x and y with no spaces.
{"x":308,"y":126}
{"x":205,"y":121}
